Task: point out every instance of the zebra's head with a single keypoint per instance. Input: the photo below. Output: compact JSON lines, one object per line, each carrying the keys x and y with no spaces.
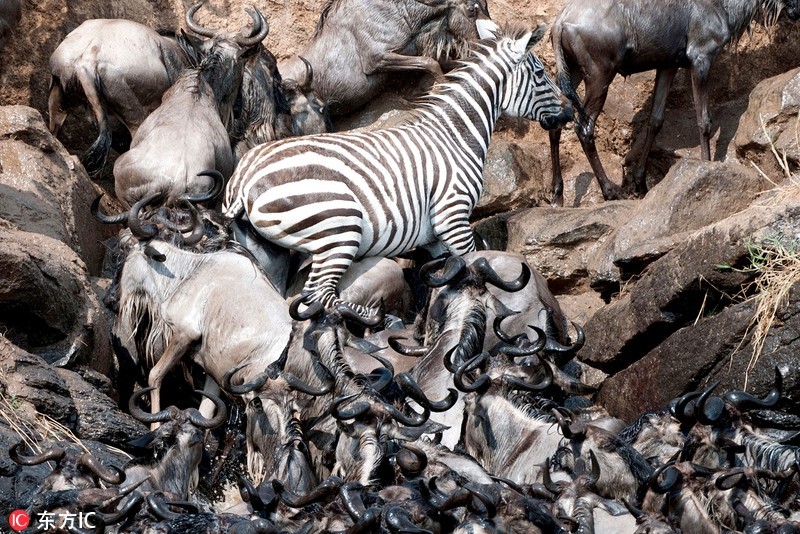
{"x":530,"y":92}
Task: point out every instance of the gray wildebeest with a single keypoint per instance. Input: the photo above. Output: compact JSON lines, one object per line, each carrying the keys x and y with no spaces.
{"x":95,"y":65}
{"x":357,"y":43}
{"x":593,"y":41}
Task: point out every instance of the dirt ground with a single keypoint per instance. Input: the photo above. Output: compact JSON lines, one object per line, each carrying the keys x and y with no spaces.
{"x":24,"y":78}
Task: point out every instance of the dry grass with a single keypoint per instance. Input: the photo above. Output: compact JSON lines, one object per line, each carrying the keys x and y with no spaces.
{"x":36,"y":429}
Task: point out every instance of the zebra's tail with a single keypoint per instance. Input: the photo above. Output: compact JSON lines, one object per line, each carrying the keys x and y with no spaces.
{"x":563,"y":78}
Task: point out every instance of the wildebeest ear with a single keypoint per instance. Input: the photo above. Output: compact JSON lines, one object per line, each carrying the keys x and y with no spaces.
{"x":487,"y":29}
{"x":142,"y":442}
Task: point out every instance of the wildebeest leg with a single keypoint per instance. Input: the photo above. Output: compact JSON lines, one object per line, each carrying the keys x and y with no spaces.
{"x":392,"y":61}
{"x":700,"y":71}
{"x":55,"y":107}
{"x":555,"y":158}
{"x":177,"y":347}
{"x":596,"y":93}
{"x":207,"y":407}
{"x":95,"y":157}
{"x":663,"y":83}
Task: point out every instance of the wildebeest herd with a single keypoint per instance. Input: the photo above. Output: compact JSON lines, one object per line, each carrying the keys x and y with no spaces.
{"x":346,"y":390}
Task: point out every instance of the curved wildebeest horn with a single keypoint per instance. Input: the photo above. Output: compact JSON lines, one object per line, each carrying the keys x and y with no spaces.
{"x":489,"y":498}
{"x":111,"y":474}
{"x":313,"y":310}
{"x":411,"y":460}
{"x":198,"y":229}
{"x":726,"y":481}
{"x":562,"y":353}
{"x":141,"y":415}
{"x":399,"y":521}
{"x":551,"y":486}
{"x":566,"y":425}
{"x":410,"y":387}
{"x":97,"y":213}
{"x":140,"y":230}
{"x":481,"y":384}
{"x":346,"y":311}
{"x":671,"y":477}
{"x":415,"y":419}
{"x":194,"y":25}
{"x":309,"y":74}
{"x":501,"y":334}
{"x":160,"y":506}
{"x":453,"y":266}
{"x":247,"y":387}
{"x":258,"y":22}
{"x":297,"y":384}
{"x":405,"y":350}
{"x":325,"y":489}
{"x":54,"y":453}
{"x":709,"y":409}
{"x":679,"y":410}
{"x":515,"y":351}
{"x":360,"y":408}
{"x":516,"y":382}
{"x":220,"y":413}
{"x":131,"y":506}
{"x":212,"y":193}
{"x":487,"y":273}
{"x":594,"y":474}
{"x":379,"y":378}
{"x":745,"y":401}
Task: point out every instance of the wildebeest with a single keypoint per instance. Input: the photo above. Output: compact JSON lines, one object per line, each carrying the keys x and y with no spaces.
{"x":96,"y":65}
{"x":593,"y":41}
{"x":357,"y":43}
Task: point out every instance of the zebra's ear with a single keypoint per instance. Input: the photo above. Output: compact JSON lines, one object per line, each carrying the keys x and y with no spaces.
{"x":526,"y":42}
{"x":487,"y":28}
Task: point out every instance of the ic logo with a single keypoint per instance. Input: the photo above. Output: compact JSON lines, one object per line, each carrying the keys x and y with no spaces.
{"x":18,"y":520}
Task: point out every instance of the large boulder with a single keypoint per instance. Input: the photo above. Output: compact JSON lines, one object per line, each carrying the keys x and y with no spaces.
{"x":44,"y":190}
{"x":769,"y":127}
{"x":47,"y":303}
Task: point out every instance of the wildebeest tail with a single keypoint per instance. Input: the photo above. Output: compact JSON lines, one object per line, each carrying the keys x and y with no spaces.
{"x":95,"y":156}
{"x":563,"y":79}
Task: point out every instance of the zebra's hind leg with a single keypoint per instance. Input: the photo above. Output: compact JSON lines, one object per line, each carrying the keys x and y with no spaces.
{"x":326,"y":271}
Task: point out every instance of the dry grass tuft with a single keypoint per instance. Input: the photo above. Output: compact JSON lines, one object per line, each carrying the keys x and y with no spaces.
{"x":36,"y":429}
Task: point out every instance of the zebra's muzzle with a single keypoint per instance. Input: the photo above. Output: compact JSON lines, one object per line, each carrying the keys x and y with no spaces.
{"x":557,"y":120}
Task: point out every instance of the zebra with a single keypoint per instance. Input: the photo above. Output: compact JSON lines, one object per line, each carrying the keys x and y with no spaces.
{"x":343,"y":196}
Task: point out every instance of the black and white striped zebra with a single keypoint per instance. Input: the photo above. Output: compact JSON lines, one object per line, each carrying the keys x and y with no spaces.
{"x":342,"y":196}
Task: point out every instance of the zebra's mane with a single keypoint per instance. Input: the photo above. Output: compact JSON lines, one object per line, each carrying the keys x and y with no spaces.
{"x":471,"y":61}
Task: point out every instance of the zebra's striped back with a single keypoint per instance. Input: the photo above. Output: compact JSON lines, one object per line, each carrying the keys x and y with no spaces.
{"x":342,"y":196}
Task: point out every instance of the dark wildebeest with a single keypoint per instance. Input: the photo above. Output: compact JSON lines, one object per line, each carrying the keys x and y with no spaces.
{"x":96,"y":65}
{"x":593,"y":41}
{"x":357,"y":43}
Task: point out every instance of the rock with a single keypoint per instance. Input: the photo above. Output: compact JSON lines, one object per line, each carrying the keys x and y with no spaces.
{"x":681,"y":288}
{"x":43,"y":189}
{"x":98,"y":417}
{"x":771,"y":118}
{"x":693,"y":194}
{"x":512,"y":179}
{"x":561,"y":243}
{"x":48,"y":304}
